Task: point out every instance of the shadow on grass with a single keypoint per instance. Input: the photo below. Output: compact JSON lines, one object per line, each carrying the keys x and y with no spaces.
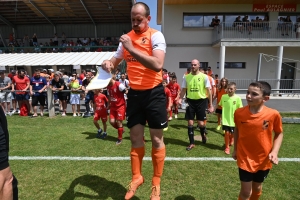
{"x":178,"y":126}
{"x":185,"y":197}
{"x":105,"y":189}
{"x":91,"y":135}
{"x":209,"y":145}
{"x":210,"y":130}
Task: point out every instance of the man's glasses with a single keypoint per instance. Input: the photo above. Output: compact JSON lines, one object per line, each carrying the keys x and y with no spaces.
{"x":194,"y":64}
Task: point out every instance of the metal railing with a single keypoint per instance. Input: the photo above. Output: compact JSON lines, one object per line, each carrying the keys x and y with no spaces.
{"x":55,"y":49}
{"x":272,"y":30}
{"x":287,"y":86}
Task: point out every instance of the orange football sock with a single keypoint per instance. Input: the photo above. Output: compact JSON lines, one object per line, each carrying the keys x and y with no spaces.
{"x":158,"y":161}
{"x":226,"y":138}
{"x":255,"y":195}
{"x":170,"y":113}
{"x":136,"y":157}
{"x":205,"y":122}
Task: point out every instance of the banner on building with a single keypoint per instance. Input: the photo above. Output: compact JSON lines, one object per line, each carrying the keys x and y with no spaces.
{"x":274,"y":8}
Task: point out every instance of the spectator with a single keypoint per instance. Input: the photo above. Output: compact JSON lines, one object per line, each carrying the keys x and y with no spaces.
{"x":247,"y":24}
{"x":21,"y":83}
{"x":165,"y":76}
{"x":82,"y":75}
{"x":281,"y":25}
{"x":63,"y":37}
{"x":13,"y":94}
{"x":175,"y":93}
{"x":55,"y":40}
{"x":215,"y":22}
{"x":238,"y":23}
{"x":124,"y":81}
{"x":38,"y":85}
{"x":5,"y":97}
{"x":75,"y":85}
{"x":297,"y":28}
{"x":209,"y":71}
{"x":266,"y":24}
{"x":288,"y":25}
{"x":34,"y":40}
{"x":57,"y":84}
{"x":89,"y":95}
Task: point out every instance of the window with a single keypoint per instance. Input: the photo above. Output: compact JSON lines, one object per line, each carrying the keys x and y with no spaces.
{"x":201,"y":20}
{"x":185,"y":65}
{"x":233,"y":65}
{"x":294,"y":16}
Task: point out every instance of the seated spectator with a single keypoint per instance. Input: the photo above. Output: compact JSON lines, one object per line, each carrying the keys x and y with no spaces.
{"x":238,"y":23}
{"x":281,"y":25}
{"x":247,"y":24}
{"x":215,"y":21}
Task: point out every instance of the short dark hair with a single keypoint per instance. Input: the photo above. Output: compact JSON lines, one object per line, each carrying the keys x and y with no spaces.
{"x":146,"y":7}
{"x":87,"y":70}
{"x":264,"y":86}
{"x":37,"y":70}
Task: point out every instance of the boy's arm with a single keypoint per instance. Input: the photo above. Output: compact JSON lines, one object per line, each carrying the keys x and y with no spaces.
{"x":273,"y":156}
{"x":236,"y":136}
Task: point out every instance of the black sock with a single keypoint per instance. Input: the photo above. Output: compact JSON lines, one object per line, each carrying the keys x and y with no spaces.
{"x":203,"y":130}
{"x":191,"y":134}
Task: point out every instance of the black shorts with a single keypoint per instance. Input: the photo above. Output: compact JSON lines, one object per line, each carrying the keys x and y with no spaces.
{"x":3,"y":150}
{"x":219,"y":111}
{"x":148,"y":105}
{"x":196,"y":107}
{"x":257,"y":177}
{"x":62,"y":96}
{"x":230,"y":129}
{"x":38,"y":99}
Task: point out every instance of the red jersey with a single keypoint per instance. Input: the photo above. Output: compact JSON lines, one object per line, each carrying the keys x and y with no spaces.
{"x":174,"y":89}
{"x":100,"y":102}
{"x":116,"y":94}
{"x":20,"y":83}
{"x":168,"y":95}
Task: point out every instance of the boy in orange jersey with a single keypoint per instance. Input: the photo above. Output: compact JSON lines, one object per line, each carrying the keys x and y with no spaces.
{"x":230,"y":102}
{"x":220,"y":91}
{"x":168,"y":99}
{"x":100,"y":102}
{"x":254,"y":149}
{"x":175,"y":92}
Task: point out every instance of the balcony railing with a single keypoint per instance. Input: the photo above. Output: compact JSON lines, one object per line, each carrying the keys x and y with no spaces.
{"x":257,"y":31}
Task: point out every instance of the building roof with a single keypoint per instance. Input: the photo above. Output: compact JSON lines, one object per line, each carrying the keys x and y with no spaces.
{"x":44,"y":59}
{"x":27,"y":12}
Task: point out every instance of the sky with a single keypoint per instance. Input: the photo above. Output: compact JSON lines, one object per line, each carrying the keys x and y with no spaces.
{"x":153,"y":10}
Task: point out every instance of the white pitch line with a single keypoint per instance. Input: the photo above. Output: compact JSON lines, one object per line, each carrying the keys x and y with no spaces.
{"x":128,"y":158}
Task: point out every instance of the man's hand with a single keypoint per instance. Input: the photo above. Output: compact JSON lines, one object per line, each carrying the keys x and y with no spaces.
{"x":31,"y":93}
{"x":107,"y":66}
{"x":126,"y":42}
{"x":168,"y":109}
{"x":274,"y":158}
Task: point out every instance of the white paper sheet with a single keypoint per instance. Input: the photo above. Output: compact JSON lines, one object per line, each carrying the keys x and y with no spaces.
{"x":101,"y":79}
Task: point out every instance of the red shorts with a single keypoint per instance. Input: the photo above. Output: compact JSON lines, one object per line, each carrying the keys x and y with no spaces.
{"x":174,"y":102}
{"x":118,"y":114}
{"x":101,"y":114}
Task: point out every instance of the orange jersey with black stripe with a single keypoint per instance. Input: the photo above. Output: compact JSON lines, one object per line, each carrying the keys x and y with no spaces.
{"x":140,"y":77}
{"x":219,"y":96}
{"x":255,"y":137}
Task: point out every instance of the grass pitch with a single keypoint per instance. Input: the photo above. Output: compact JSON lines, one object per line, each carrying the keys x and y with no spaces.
{"x":182,"y":180}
